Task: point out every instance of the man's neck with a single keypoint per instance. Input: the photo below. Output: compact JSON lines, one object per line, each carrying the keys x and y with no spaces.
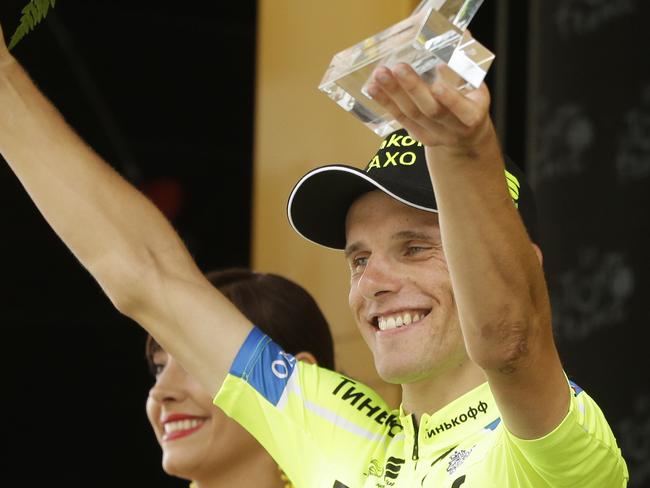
{"x":432,"y":393}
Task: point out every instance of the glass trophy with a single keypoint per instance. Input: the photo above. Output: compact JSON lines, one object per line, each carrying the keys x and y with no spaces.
{"x":434,"y":33}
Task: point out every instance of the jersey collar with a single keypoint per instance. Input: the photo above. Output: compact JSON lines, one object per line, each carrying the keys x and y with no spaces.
{"x":470,"y":413}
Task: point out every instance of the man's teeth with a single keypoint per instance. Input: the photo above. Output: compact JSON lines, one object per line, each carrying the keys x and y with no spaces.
{"x":400,"y":320}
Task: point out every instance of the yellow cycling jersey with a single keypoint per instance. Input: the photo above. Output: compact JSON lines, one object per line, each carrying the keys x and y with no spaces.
{"x":328,"y":431}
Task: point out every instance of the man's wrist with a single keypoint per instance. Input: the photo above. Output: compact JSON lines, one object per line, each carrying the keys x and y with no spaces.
{"x":482,"y":144}
{"x":6,"y":58}
{"x":8,"y":65}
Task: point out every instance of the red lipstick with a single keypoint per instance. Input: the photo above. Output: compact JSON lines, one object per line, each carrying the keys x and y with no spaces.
{"x":183,"y":425}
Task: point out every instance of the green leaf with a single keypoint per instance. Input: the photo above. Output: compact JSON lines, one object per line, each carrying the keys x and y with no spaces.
{"x":28,"y":21}
{"x":18,"y":35}
{"x":42,"y":6}
{"x":32,"y":14}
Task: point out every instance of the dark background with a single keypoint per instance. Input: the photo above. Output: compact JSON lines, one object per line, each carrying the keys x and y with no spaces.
{"x":589,"y":161}
{"x":165,"y":94}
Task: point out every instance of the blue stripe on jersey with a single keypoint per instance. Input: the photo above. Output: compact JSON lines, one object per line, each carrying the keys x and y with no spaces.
{"x":576,"y":388}
{"x":263,"y":365}
{"x":493,"y":425}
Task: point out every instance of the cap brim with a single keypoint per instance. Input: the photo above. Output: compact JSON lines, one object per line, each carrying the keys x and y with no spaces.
{"x":319,"y":202}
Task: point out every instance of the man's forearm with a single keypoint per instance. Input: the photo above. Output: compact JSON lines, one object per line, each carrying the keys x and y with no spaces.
{"x":498,"y":285}
{"x":117,"y":234}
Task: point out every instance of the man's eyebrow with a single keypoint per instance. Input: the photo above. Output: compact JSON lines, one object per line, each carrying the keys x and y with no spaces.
{"x":412,"y":235}
{"x":355,"y":246}
{"x":398,"y":236}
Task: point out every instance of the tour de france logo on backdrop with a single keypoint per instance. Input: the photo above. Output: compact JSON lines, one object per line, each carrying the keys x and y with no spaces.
{"x":563,"y":139}
{"x":633,"y":434}
{"x":633,"y":156}
{"x":593,"y":295}
{"x":583,"y":17}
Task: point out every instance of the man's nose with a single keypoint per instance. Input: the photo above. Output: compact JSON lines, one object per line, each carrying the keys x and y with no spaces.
{"x":379,"y":278}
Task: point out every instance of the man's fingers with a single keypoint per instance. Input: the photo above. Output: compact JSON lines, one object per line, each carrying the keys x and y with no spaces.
{"x":465,"y":109}
{"x":436,"y":114}
{"x":432,"y":133}
{"x":406,"y":95}
{"x":469,"y":108}
{"x":379,"y":92}
{"x":418,"y":92}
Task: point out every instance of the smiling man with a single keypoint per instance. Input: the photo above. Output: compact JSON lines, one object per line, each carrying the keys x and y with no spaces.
{"x":446,"y":287}
{"x":454,"y":308}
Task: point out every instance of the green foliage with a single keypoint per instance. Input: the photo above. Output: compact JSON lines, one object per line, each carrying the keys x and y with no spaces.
{"x":32,"y":14}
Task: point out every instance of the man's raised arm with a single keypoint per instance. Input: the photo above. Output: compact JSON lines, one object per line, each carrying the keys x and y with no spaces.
{"x":117,"y":234}
{"x":496,"y":276}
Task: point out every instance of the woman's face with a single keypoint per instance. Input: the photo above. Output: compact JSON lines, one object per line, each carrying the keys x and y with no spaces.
{"x":196,"y":437}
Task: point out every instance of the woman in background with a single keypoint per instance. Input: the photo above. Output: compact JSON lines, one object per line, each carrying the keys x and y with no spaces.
{"x":199,"y":442}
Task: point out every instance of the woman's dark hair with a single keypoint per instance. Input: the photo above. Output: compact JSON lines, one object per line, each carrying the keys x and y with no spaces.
{"x":279,"y":307}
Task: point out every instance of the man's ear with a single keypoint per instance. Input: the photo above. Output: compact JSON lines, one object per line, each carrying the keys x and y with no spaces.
{"x":540,"y":256}
{"x":306,"y":357}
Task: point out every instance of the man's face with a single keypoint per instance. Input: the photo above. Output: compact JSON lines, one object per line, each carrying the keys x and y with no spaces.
{"x":399,"y":276}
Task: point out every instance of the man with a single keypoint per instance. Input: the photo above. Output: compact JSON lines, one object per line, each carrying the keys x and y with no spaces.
{"x":453,"y":304}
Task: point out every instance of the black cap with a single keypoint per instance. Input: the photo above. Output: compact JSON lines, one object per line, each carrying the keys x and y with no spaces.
{"x":319,"y":202}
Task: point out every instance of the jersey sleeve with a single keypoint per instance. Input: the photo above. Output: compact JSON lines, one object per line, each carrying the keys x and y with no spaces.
{"x":581,"y":452}
{"x":302,"y":413}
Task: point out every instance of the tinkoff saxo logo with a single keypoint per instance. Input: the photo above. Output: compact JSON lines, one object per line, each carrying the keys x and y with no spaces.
{"x":398,"y":150}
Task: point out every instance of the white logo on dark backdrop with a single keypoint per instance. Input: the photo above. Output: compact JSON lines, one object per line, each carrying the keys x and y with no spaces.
{"x":563,"y":139}
{"x":581,"y":17}
{"x":634,"y":440}
{"x":633,"y":158}
{"x":591,"y":296}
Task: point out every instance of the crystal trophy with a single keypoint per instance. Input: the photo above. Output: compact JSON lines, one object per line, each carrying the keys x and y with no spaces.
{"x":434,"y":33}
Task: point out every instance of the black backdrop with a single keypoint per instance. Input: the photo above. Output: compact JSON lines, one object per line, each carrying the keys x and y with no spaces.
{"x":165,"y":93}
{"x":590,"y":164}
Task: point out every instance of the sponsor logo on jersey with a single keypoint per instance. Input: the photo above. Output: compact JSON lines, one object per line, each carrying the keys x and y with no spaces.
{"x":356,"y":397}
{"x":472,"y":413}
{"x":457,"y":459}
{"x":459,"y":482}
{"x":264,"y":365}
{"x":389,"y":472}
{"x":393,"y":466}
